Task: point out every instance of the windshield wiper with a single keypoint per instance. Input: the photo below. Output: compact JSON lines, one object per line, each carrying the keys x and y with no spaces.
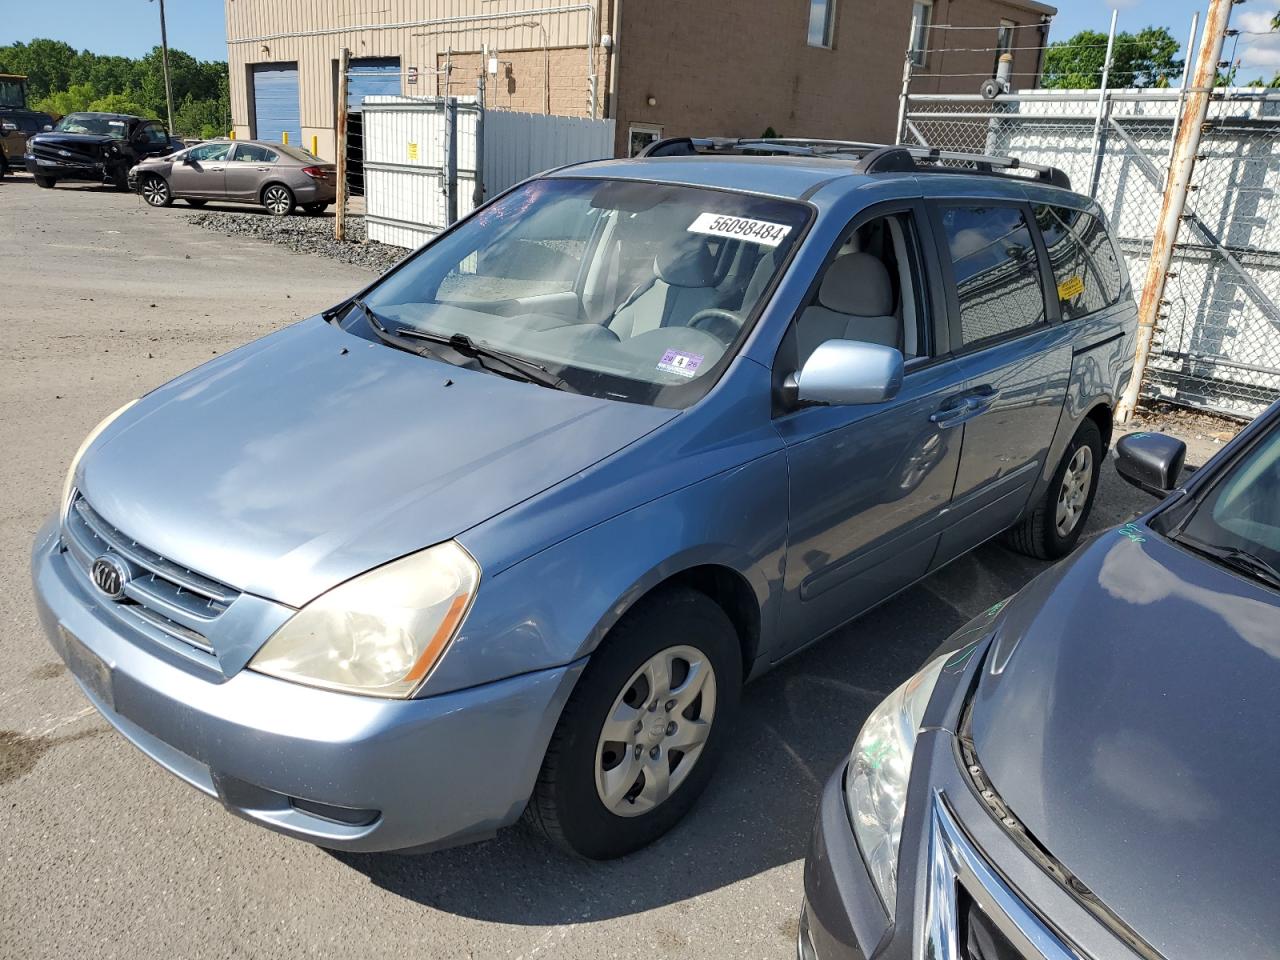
{"x":513,"y":364}
{"x":1241,"y":560}
{"x":401,"y":343}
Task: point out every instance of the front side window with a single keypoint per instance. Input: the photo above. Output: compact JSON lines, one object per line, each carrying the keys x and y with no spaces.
{"x":208,"y":152}
{"x":625,"y":290}
{"x":996,"y":271}
{"x":94,"y":124}
{"x":822,"y":16}
{"x":922,"y":14}
{"x":1086,"y":270}
{"x":153,"y":133}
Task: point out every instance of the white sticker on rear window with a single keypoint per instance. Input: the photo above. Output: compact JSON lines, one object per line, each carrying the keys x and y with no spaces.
{"x":740,"y":228}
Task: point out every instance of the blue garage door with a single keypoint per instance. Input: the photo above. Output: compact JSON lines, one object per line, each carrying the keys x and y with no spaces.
{"x":372,"y":76}
{"x":275,"y":102}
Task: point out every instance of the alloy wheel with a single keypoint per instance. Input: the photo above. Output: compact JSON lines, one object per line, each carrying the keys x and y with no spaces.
{"x":1074,"y":492}
{"x":278,"y":201}
{"x":155,"y":191}
{"x":655,"y":731}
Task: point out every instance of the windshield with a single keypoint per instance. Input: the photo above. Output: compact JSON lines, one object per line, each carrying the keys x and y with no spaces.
{"x":1241,"y":510}
{"x":627,"y":290}
{"x":13,"y":93}
{"x":94,"y":124}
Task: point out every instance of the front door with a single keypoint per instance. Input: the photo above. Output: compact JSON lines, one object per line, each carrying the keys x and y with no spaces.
{"x":870,"y":484}
{"x":1016,"y":356}
{"x":201,"y":172}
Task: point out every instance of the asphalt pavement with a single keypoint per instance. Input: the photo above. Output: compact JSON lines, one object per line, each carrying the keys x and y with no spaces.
{"x":106,"y":855}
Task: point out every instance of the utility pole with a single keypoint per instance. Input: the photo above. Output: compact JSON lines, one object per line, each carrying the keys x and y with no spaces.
{"x":1195,"y":111}
{"x":164,"y":61}
{"x":340,"y":132}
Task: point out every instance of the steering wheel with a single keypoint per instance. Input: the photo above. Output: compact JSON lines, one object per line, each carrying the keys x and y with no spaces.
{"x":720,"y":323}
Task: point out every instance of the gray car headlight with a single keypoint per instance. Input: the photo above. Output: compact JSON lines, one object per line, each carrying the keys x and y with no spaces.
{"x":875,"y":782}
{"x":380,"y":634}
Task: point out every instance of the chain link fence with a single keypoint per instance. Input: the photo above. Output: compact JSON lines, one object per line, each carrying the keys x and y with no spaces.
{"x":1217,"y":345}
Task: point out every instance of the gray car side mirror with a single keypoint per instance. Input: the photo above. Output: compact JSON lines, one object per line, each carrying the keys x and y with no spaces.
{"x":1150,"y":461}
{"x":847,"y":372}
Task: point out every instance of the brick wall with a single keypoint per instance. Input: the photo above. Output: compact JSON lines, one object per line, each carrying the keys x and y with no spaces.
{"x":528,"y":80}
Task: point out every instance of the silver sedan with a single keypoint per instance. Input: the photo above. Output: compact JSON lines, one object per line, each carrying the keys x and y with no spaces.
{"x":280,"y":177}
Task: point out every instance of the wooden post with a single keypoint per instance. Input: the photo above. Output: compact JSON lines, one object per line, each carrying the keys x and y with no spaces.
{"x":1195,"y":110}
{"x":340,"y":132}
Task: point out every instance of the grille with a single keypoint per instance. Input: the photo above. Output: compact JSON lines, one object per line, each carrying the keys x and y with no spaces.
{"x":160,"y":595}
{"x":54,"y":153}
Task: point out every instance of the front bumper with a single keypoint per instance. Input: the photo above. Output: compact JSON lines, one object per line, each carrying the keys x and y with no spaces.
{"x":43,"y":167}
{"x":346,"y":772}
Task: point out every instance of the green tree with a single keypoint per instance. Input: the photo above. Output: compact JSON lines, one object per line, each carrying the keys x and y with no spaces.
{"x":1148,"y":58}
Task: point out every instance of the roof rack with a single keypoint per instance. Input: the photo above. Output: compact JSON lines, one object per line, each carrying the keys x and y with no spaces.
{"x":867,"y":157}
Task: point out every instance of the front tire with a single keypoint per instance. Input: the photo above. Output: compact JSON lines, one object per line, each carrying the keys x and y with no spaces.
{"x":155,"y":190}
{"x":46,"y":182}
{"x":278,"y":200}
{"x":1053,"y":528}
{"x":639,"y":738}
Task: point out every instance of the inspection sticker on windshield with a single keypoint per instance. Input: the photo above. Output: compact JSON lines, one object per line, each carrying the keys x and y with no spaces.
{"x":680,"y":363}
{"x":740,"y":228}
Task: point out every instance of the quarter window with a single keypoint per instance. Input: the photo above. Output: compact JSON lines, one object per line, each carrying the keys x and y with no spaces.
{"x":822,"y":17}
{"x":1086,"y":269}
{"x":996,"y":271}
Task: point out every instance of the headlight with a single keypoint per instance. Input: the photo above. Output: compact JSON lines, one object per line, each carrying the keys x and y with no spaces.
{"x":70,"y":482}
{"x":875,"y":782}
{"x":381,"y":633}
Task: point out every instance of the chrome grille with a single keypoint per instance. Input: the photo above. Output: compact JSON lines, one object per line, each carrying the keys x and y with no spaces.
{"x":160,"y":594}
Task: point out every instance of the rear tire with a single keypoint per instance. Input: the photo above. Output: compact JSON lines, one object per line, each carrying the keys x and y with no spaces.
{"x":1053,"y":528}
{"x":45,"y":182}
{"x":155,"y":190}
{"x":678,"y":634}
{"x":278,"y":200}
{"x":315,"y":209}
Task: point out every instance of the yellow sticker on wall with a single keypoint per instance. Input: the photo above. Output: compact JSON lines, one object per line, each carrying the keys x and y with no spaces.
{"x":1070,"y":288}
{"x":413,"y":151}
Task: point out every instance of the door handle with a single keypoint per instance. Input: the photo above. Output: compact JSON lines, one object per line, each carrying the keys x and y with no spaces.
{"x":956,"y":412}
{"x":983,"y":397}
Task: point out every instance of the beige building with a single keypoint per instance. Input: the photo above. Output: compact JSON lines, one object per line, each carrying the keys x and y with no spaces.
{"x":814,"y":68}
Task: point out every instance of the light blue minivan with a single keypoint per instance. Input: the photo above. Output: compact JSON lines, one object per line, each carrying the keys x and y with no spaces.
{"x":506,"y":532}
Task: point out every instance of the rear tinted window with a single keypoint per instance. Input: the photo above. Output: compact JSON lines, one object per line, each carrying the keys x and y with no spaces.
{"x":1086,"y":269}
{"x":996,"y":270}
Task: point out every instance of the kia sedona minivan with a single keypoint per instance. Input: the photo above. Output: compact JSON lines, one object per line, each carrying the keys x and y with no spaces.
{"x":505,"y":533}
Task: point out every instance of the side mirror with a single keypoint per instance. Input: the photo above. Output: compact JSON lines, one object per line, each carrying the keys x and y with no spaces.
{"x":8,"y":127}
{"x":47,"y":127}
{"x":188,"y":161}
{"x":847,"y":372}
{"x":1150,"y":461}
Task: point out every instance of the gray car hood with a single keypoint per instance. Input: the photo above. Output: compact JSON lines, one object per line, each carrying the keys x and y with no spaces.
{"x":1128,"y":715}
{"x":301,"y":460}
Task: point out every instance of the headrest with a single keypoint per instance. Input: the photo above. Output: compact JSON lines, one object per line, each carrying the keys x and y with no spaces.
{"x":686,"y":265}
{"x":857,"y":284}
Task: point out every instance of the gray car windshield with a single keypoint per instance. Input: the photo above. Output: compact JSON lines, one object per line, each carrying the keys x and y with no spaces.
{"x":623,"y":289}
{"x":96,"y":125}
{"x":1240,"y":514}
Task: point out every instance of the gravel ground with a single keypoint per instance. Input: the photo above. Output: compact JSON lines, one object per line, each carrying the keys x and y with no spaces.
{"x":303,"y":234}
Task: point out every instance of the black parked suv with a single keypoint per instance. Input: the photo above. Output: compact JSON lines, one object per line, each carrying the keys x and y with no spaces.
{"x":95,"y":146}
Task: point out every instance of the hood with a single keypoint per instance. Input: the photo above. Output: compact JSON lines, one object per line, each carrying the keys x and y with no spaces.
{"x":299,"y":461}
{"x":1127,"y":714}
{"x":78,"y":141}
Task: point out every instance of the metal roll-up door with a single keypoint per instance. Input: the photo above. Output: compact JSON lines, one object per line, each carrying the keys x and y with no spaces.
{"x":276,"y":109}
{"x":370,"y":77}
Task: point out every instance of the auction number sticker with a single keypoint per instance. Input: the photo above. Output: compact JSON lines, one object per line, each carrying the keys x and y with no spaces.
{"x":740,"y":228}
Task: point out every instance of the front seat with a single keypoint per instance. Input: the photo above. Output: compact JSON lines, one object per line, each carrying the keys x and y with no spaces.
{"x":683,"y":283}
{"x":855,"y":302}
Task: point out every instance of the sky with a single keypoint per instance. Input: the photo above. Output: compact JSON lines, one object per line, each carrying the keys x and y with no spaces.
{"x":132,"y":27}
